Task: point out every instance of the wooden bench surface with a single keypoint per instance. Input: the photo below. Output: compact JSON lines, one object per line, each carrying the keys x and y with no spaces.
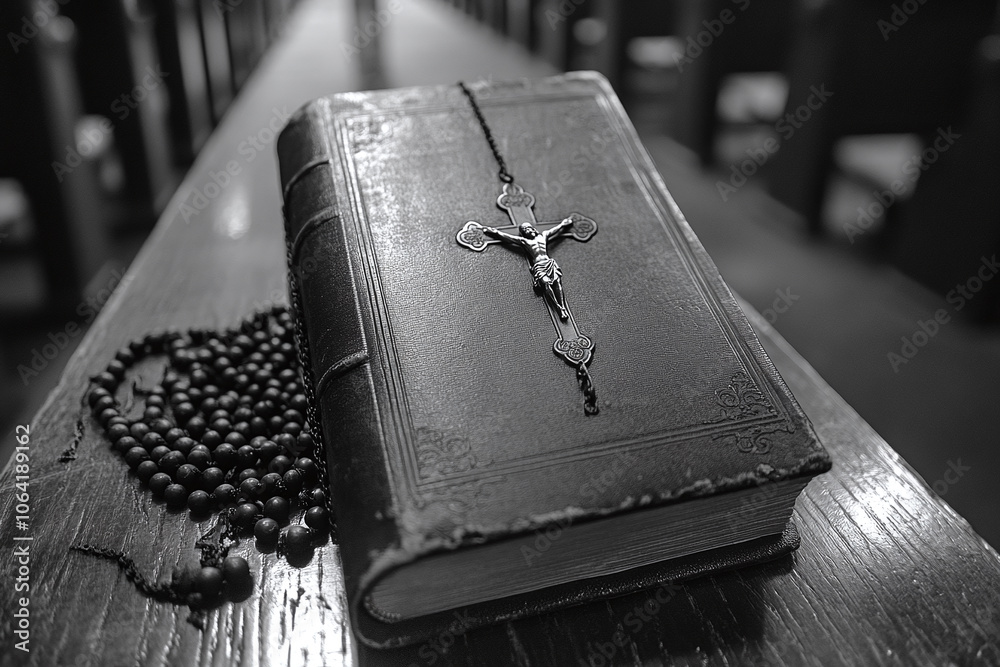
{"x":888,"y":574}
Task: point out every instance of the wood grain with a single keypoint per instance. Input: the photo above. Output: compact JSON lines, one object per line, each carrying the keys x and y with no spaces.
{"x":887,"y":573}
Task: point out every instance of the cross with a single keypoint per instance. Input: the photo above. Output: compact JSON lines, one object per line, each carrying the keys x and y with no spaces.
{"x":571,"y":345}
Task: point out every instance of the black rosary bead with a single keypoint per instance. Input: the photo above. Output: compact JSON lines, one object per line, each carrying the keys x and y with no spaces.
{"x":223,"y":426}
{"x":225,"y":494}
{"x":267,"y":531}
{"x":280,"y":464}
{"x":189,"y":476}
{"x":184,"y":411}
{"x":102,"y":403}
{"x":199,"y":378}
{"x":158,"y":453}
{"x":310,"y":473}
{"x":158,"y":483}
{"x":273,"y":485}
{"x":176,"y":496}
{"x":211,"y":478}
{"x":209,"y":583}
{"x":117,"y":431}
{"x":123,"y":444}
{"x":135,"y":456}
{"x":225,"y":456}
{"x":160,"y":425}
{"x":245,"y":515}
{"x":196,"y":426}
{"x":152,"y":440}
{"x":183,"y":444}
{"x":145,"y":470}
{"x":106,"y":415}
{"x":298,"y":540}
{"x":268,"y":450}
{"x":236,"y":572}
{"x":199,"y":459}
{"x":292,"y":481}
{"x":277,"y":508}
{"x":199,"y":503}
{"x":247,"y":456}
{"x":115,"y":421}
{"x":316,"y":497}
{"x":258,"y":426}
{"x":138,"y":430}
{"x":264,"y":408}
{"x":251,"y":488}
{"x":116,"y":368}
{"x":125,"y":356}
{"x":304,"y":442}
{"x":318,"y":519}
{"x":275,"y":424}
{"x":211,"y":439}
{"x":173,"y":435}
{"x":171,"y":462}
{"x":285,"y":441}
{"x":106,"y":380}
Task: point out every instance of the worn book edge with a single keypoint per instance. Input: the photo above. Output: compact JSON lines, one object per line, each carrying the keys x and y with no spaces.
{"x":415,"y":543}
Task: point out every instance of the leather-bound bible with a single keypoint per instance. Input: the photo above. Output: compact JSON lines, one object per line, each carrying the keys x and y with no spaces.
{"x":533,"y":386}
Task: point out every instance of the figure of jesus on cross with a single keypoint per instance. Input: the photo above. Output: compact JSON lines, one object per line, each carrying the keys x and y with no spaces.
{"x":544,"y":270}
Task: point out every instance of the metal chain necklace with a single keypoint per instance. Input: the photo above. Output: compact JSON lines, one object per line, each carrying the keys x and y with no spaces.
{"x":533,"y":238}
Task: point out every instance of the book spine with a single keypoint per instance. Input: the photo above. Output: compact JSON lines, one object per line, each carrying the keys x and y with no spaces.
{"x":328,"y":310}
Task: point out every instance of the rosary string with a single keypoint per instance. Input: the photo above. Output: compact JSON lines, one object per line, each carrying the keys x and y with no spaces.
{"x":582,"y":374}
{"x":228,"y":431}
{"x":504,"y":174}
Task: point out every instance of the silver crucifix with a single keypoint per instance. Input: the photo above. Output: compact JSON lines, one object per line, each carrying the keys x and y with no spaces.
{"x":532,"y":237}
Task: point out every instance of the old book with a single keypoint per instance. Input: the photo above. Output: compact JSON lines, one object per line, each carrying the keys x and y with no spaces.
{"x":464,"y":470}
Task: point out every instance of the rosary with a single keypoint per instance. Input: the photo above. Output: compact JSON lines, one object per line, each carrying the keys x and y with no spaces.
{"x":533,"y":238}
{"x":227,"y":433}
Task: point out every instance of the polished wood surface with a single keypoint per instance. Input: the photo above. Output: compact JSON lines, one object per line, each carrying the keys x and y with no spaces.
{"x":887,"y":573}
